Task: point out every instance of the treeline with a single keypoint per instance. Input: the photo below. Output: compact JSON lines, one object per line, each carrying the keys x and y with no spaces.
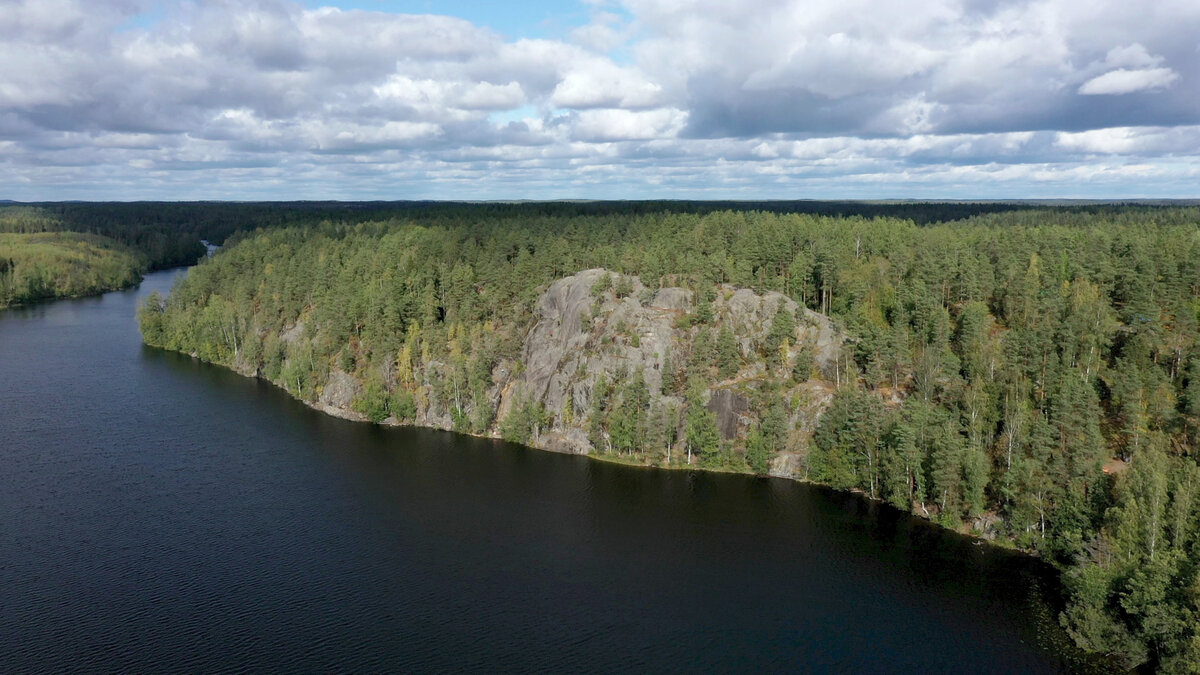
{"x":36,"y":267}
{"x":1033,"y":374}
{"x":168,"y":234}
{"x":164,"y":241}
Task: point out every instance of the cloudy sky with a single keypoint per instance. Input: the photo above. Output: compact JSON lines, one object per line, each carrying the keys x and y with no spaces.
{"x":414,"y":99}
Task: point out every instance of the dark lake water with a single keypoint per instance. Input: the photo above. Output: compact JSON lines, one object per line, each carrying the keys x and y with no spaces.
{"x":159,"y":514}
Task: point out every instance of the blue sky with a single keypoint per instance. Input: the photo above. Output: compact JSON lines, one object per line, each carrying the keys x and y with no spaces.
{"x":407,"y":99}
{"x":532,"y":18}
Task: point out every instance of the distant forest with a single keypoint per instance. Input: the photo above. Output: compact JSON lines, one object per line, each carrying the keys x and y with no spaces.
{"x":1028,"y":373}
{"x":125,"y":239}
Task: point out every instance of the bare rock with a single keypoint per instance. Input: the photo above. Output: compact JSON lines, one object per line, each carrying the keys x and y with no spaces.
{"x":672,"y":299}
{"x":824,"y":336}
{"x":292,"y":334}
{"x":340,"y":390}
{"x":787,"y":465}
{"x":571,"y":441}
{"x":571,"y":346}
{"x":730,"y":408}
{"x":558,"y":332}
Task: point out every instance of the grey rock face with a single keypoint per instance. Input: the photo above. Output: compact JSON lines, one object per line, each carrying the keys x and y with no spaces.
{"x":827,"y":340}
{"x":340,"y":390}
{"x":730,"y":409}
{"x":673,"y":299}
{"x":558,"y":333}
{"x":580,"y":336}
{"x":583,"y":332}
{"x":292,"y":334}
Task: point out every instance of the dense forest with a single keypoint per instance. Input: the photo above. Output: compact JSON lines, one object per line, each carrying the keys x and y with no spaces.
{"x":62,"y":251}
{"x":35,"y":267}
{"x":128,"y":238}
{"x":160,"y":235}
{"x":1031,"y":375}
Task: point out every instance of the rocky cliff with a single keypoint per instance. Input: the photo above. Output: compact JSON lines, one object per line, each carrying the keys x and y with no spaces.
{"x":598,"y":329}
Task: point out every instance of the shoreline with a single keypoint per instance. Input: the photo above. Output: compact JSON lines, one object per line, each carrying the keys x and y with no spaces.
{"x":76,"y":296}
{"x":997,"y":542}
{"x":142,"y":274}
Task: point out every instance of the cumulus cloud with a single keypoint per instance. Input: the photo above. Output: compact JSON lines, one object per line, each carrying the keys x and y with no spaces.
{"x":1130,"y":68}
{"x":973,"y":66}
{"x":599,"y":83}
{"x":762,"y":98}
{"x":1125,"y":81}
{"x":626,"y":125}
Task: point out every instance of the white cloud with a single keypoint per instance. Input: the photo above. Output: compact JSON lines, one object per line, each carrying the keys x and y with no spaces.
{"x":605,"y":32}
{"x":1105,"y":141}
{"x":598,"y":83}
{"x":356,"y":136}
{"x":700,"y":96}
{"x":1131,"y":56}
{"x":434,"y":96}
{"x":1133,"y":141}
{"x":839,"y":65}
{"x":1124,"y":81}
{"x":626,"y":125}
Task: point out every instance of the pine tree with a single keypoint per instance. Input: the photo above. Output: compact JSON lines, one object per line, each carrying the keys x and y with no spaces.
{"x":703,"y":316}
{"x":701,"y":434}
{"x":804,"y":362}
{"x":728,"y":356}
{"x":703,"y":353}
{"x":783,"y":328}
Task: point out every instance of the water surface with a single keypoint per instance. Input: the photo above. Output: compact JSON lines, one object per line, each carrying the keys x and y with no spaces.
{"x":159,"y":514}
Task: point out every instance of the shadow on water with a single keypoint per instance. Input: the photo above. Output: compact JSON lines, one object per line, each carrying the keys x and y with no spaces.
{"x":165,"y":514}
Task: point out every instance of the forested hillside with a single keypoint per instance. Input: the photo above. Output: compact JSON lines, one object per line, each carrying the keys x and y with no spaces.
{"x":1032,"y":376}
{"x":36,"y":267}
{"x":163,"y":241}
{"x":71,"y":250}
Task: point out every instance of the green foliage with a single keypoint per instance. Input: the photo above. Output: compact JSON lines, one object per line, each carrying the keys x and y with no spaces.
{"x":627,"y":422}
{"x":783,"y":328}
{"x":597,"y":416}
{"x":602,"y":285}
{"x":661,"y":431}
{"x":803,"y":368}
{"x":373,"y":401}
{"x":150,"y":319}
{"x":758,"y":455}
{"x":623,"y":287}
{"x":703,"y":354}
{"x":729,"y":360}
{"x":992,"y":366}
{"x":703,"y":316}
{"x":402,"y":405}
{"x":523,"y":422}
{"x":157,"y":236}
{"x":35,"y":267}
{"x":701,"y":435}
{"x":846,"y":442}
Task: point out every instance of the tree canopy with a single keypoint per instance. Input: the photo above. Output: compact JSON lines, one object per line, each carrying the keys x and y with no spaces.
{"x":1031,"y":374}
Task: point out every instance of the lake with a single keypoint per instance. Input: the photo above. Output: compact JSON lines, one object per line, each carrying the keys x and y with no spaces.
{"x":161,"y":514}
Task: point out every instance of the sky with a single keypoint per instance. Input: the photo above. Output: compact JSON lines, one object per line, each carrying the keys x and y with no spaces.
{"x":598,"y":99}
